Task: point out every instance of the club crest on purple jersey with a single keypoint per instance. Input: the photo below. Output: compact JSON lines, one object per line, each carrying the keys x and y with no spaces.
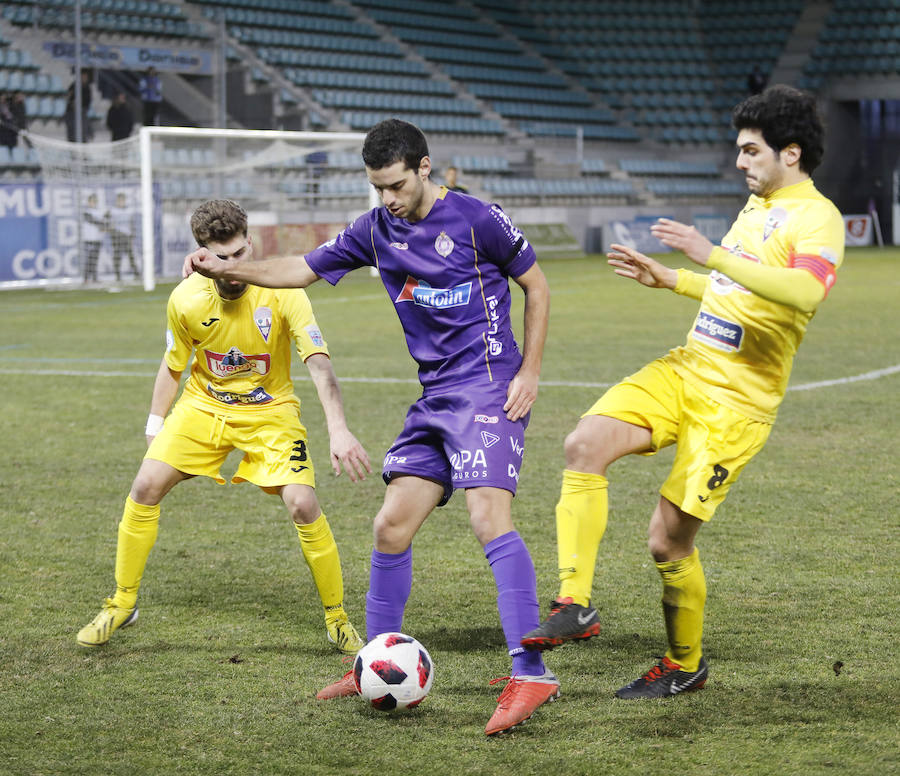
{"x":443,"y":244}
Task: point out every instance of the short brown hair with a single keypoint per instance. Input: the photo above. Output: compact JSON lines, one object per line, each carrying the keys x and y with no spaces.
{"x":218,"y":220}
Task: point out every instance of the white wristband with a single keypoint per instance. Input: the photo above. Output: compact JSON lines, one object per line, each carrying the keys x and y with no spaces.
{"x":154,"y":424}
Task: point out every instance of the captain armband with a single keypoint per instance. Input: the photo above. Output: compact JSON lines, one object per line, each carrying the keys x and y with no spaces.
{"x":818,"y":266}
{"x":154,"y":424}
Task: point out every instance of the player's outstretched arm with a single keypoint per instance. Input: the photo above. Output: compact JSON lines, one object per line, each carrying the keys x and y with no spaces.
{"x":523,"y":388}
{"x":633,"y":264}
{"x":790,"y":286}
{"x":278,"y":272}
{"x":683,"y":238}
{"x":346,"y":450}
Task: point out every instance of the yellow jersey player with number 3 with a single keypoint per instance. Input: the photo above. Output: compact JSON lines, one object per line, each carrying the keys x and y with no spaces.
{"x":716,"y":396}
{"x":239,"y":395}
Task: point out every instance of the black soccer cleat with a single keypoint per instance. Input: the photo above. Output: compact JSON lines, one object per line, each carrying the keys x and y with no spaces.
{"x":568,"y":621}
{"x":664,"y":680}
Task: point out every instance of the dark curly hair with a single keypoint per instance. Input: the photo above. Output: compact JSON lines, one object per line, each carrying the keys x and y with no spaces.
{"x":785,"y":115}
{"x":218,"y":220}
{"x":393,"y":140}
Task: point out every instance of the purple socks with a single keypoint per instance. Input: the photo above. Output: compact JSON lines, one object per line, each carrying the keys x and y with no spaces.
{"x":390,"y":580}
{"x":516,"y":599}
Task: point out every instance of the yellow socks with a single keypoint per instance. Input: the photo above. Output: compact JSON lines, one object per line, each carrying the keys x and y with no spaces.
{"x":581,"y":516}
{"x":321,"y":553}
{"x":137,"y":535}
{"x":683,"y":599}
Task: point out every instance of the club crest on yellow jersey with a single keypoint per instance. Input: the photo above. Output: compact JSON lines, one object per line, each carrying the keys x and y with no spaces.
{"x":262,"y":317}
{"x":777,"y":218}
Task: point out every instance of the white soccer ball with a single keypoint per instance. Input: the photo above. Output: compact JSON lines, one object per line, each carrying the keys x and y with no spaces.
{"x":393,"y":671}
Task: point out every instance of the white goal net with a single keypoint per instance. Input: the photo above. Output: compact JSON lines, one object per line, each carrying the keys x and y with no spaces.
{"x":119,"y":212}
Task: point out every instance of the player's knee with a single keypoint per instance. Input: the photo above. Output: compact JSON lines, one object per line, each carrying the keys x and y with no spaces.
{"x":302,"y":506}
{"x":390,"y":534}
{"x":582,"y":450}
{"x":664,"y":547}
{"x":659,"y":547}
{"x":146,"y":490}
{"x":383,"y":527}
{"x":489,"y":527}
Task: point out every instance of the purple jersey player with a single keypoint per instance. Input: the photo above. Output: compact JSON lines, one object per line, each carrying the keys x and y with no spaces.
{"x":445,"y":260}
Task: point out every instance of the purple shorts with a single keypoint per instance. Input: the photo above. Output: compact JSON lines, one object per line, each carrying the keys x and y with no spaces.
{"x":460,"y":439}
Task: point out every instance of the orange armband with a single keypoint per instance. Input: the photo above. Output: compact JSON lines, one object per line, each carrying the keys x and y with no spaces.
{"x":818,"y":266}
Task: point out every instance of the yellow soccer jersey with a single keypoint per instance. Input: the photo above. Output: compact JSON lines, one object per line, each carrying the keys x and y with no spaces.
{"x":741,"y":346}
{"x":242,"y":346}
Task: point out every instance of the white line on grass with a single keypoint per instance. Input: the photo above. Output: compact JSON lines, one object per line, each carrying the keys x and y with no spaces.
{"x":874,"y":375}
{"x":878,"y":373}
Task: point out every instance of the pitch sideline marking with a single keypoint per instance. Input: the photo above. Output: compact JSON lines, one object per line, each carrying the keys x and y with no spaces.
{"x":865,"y":376}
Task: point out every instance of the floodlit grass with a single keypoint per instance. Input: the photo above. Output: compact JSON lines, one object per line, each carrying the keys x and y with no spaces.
{"x":219,"y":674}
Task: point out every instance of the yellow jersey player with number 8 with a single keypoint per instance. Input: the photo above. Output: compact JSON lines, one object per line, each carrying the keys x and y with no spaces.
{"x":239,"y":395}
{"x":715,"y":397}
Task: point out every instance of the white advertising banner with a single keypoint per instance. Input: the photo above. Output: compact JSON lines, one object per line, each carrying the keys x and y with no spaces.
{"x":858,"y":230}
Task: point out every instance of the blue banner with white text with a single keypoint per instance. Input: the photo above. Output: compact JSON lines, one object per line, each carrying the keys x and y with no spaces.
{"x":39,"y":231}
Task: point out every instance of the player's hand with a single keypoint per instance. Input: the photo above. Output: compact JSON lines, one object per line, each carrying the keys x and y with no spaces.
{"x":521,"y":395}
{"x":633,"y":264}
{"x":683,"y":238}
{"x":346,"y":451}
{"x":205,"y":262}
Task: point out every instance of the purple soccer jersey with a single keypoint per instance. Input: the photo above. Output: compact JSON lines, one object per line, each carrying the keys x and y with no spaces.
{"x":447,"y":276}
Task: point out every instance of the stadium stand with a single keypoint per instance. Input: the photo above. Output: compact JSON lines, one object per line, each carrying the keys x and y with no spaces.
{"x":578,"y":101}
{"x":141,"y":17}
{"x":859,"y":38}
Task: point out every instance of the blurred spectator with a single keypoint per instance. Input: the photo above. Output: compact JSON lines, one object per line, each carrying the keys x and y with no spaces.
{"x":120,"y":220}
{"x":151,"y":95}
{"x":450,"y":180}
{"x":19,"y":111}
{"x":119,"y":118}
{"x":756,"y":81}
{"x":92,"y":227}
{"x":9,"y":132}
{"x":87,"y":131}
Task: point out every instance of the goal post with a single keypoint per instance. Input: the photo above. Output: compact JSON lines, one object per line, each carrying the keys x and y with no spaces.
{"x":314,"y":176}
{"x":118,"y":209}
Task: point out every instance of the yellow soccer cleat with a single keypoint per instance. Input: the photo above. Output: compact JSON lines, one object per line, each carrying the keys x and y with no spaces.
{"x":97,"y":632}
{"x":344,"y":636}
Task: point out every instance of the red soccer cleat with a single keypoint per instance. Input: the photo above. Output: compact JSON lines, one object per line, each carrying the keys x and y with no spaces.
{"x":521,"y":696}
{"x":342,"y":688}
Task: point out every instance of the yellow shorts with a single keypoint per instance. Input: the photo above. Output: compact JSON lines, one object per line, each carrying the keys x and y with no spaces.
{"x":714,"y":442}
{"x":196,"y":441}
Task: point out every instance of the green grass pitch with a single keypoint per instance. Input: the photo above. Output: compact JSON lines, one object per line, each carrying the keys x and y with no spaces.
{"x":219,"y":674}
